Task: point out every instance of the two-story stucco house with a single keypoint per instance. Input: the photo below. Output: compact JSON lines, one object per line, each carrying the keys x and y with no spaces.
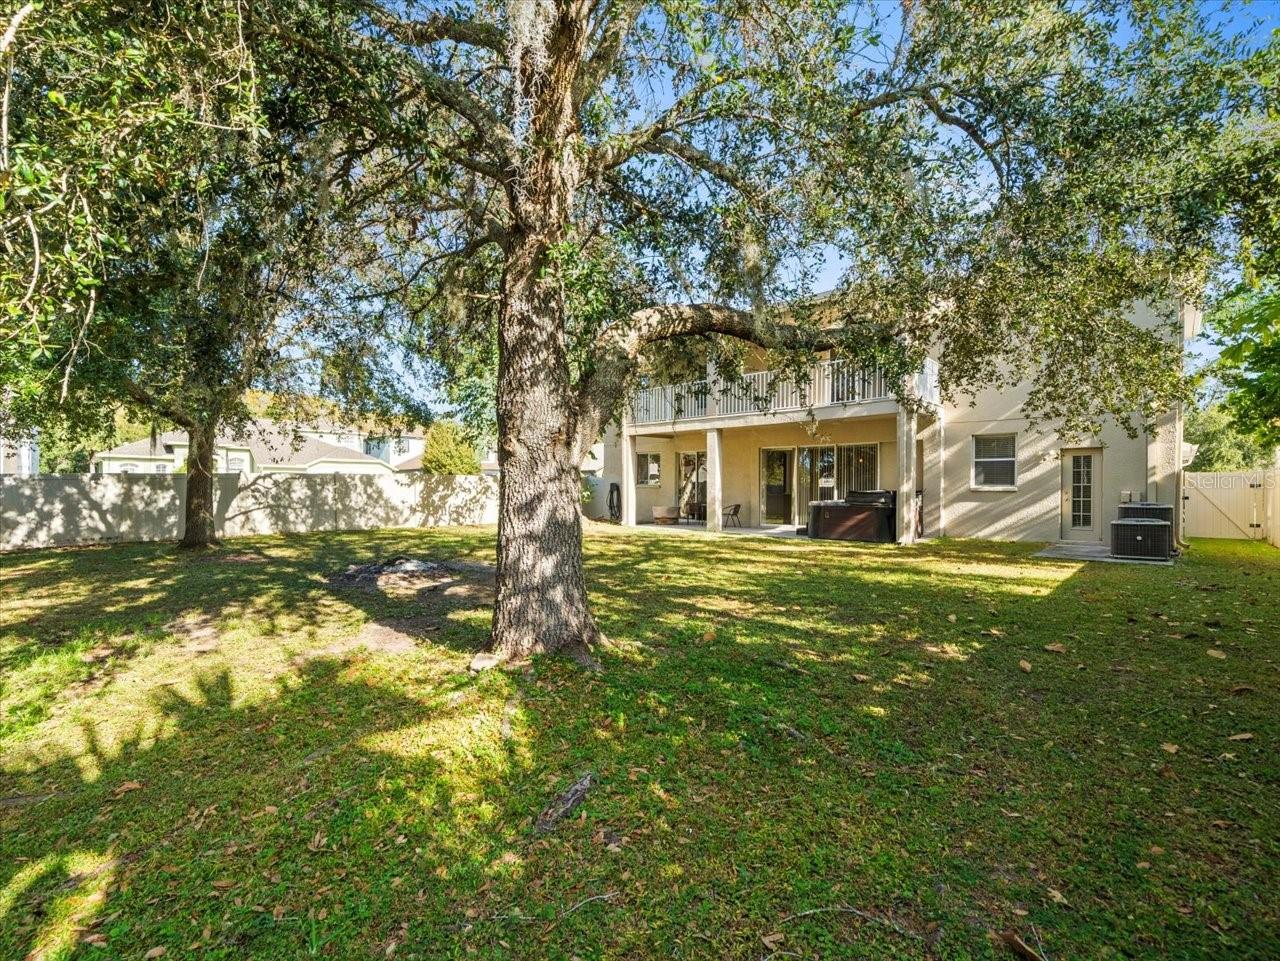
{"x":268,"y":447}
{"x":982,"y":470}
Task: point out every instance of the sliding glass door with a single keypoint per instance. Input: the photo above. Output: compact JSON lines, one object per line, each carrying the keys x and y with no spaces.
{"x":792,"y":477}
{"x":859,"y":468}
{"x":693,"y":484}
{"x":776,"y":482}
{"x":817,"y":476}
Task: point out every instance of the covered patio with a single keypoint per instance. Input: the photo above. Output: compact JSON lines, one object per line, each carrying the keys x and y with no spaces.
{"x":760,"y":478}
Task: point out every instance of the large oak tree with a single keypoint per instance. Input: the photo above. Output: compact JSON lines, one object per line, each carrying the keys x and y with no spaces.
{"x":605,"y":186}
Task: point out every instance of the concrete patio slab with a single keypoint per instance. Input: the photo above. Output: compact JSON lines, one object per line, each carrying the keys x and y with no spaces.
{"x":1073,"y":551}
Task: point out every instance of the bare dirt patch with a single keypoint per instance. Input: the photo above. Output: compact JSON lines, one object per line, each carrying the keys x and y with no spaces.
{"x":398,"y":636}
{"x":199,"y":632}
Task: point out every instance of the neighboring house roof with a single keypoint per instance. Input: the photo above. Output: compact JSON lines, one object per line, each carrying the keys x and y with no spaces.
{"x":364,"y":429}
{"x":413,"y":463}
{"x":270,"y":448}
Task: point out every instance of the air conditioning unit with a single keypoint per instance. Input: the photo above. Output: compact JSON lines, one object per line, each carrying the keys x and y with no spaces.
{"x":1142,"y":539}
{"x":1160,"y":512}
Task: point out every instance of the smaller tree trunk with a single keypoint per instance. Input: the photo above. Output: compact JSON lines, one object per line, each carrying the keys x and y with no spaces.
{"x":198,"y":529}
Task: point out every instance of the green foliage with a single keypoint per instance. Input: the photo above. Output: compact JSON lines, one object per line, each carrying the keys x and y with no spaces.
{"x":448,"y":450}
{"x":1247,"y":329}
{"x":108,"y":112}
{"x":1246,"y":321}
{"x":64,"y":450}
{"x":1221,"y":444}
{"x":214,"y":163}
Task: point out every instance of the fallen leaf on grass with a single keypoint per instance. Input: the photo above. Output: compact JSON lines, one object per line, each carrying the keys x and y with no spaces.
{"x":771,"y":941}
{"x":1056,"y":648}
{"x":1243,"y":689}
{"x":1169,"y":748}
{"x":126,"y":787}
{"x":862,"y":678}
{"x":1243,"y":736}
{"x":1056,"y":897}
{"x":1026,"y":666}
{"x":1214,"y":652}
{"x":156,"y":952}
{"x":1019,"y":947}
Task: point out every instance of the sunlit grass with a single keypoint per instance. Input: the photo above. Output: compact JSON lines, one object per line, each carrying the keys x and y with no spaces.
{"x":226,"y":757}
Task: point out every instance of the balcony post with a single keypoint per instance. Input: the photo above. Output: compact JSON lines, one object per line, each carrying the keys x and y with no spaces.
{"x":715,"y":462}
{"x":628,"y":476}
{"x":713,"y":391}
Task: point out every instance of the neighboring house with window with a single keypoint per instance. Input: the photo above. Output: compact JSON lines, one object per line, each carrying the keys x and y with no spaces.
{"x":980,"y":469}
{"x":268,"y":447}
{"x":19,"y":458}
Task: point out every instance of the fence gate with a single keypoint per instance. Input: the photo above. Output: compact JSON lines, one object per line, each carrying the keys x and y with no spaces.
{"x":1228,"y":504}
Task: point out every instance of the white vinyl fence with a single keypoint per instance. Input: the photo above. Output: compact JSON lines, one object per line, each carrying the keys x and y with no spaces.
{"x":55,"y":511}
{"x":1239,"y":504}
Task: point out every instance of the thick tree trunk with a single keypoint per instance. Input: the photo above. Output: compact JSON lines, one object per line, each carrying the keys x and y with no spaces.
{"x":198,"y":531}
{"x":541,"y":604}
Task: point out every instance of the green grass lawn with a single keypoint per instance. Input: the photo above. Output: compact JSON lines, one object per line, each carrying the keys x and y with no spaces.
{"x":802,"y":750}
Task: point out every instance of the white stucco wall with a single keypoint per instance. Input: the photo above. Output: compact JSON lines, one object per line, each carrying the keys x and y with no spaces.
{"x":55,"y":511}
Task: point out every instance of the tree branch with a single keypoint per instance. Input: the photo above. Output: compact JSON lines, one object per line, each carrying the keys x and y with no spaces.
{"x":151,"y":402}
{"x":618,"y":20}
{"x":969,"y":129}
{"x":436,"y":27}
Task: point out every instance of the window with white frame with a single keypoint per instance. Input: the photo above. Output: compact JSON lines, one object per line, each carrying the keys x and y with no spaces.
{"x":128,"y":468}
{"x":162,"y":468}
{"x":995,"y":461}
{"x":235,"y":465}
{"x":649,"y":469}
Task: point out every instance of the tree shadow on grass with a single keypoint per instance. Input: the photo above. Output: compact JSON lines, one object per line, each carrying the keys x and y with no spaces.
{"x":277,"y":825}
{"x":76,"y":619}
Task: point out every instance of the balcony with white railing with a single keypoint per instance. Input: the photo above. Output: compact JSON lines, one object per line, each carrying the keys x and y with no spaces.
{"x":832,"y":383}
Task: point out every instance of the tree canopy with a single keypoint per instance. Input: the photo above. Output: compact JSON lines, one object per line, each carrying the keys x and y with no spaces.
{"x":214,"y":178}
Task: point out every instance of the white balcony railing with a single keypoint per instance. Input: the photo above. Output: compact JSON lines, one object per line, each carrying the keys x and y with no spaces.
{"x":831,"y":382}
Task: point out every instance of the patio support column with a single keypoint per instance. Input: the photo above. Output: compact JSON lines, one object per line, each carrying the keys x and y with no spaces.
{"x":906,"y":475}
{"x":628,"y":478}
{"x":715,"y":462}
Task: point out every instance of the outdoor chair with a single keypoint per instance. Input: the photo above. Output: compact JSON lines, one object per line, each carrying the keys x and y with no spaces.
{"x":730,"y":518}
{"x":694,"y":512}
